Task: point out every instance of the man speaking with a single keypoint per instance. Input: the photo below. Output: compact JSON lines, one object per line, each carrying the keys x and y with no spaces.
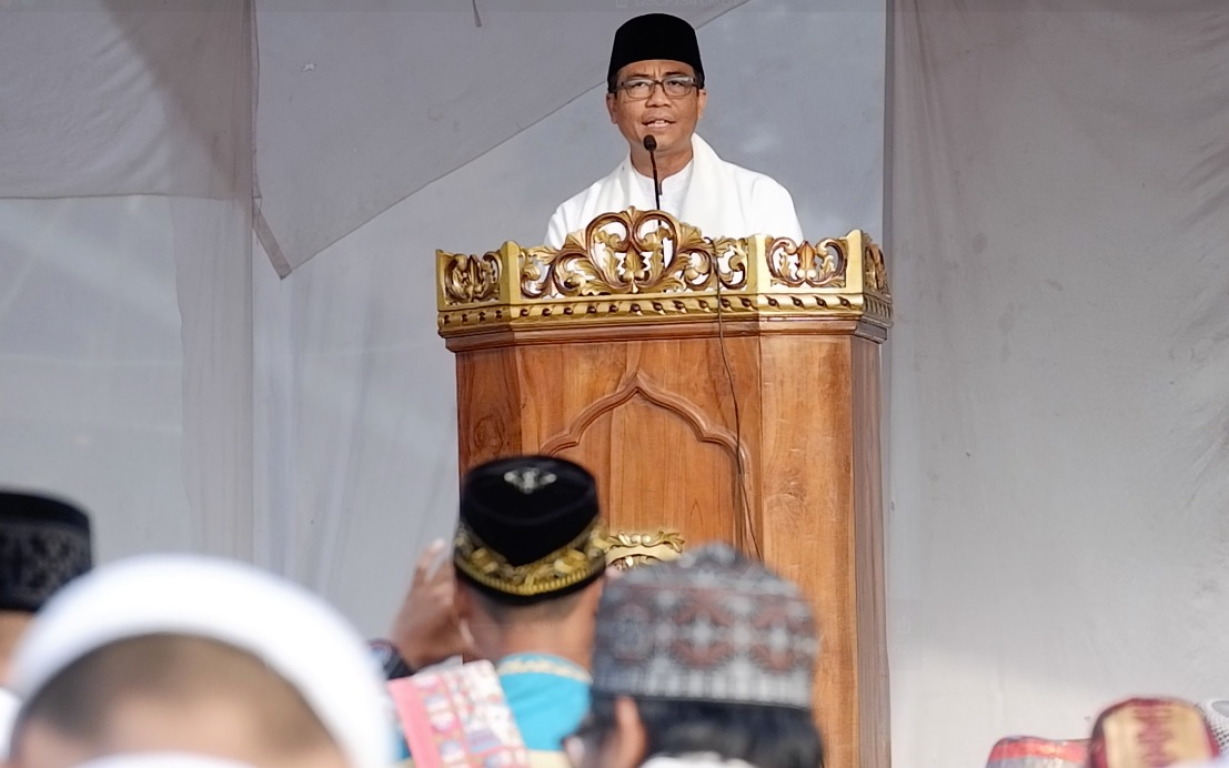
{"x":655,"y":95}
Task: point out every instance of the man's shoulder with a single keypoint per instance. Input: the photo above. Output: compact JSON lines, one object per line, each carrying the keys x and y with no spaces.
{"x":760,"y":183}
{"x":589,"y":192}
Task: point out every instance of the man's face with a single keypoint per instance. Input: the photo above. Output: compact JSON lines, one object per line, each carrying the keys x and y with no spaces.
{"x":671,"y":121}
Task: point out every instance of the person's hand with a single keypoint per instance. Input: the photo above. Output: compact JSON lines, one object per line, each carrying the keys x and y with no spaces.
{"x":427,"y":629}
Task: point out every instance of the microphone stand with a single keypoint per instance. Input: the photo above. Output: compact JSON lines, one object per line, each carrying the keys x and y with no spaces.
{"x":650,"y":144}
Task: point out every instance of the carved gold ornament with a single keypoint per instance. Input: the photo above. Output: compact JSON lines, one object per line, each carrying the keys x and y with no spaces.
{"x":471,"y":279}
{"x":646,"y":266}
{"x":570,"y":564}
{"x":628,"y":550}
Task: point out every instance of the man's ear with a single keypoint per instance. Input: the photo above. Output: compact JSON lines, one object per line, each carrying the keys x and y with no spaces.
{"x":629,"y":741}
{"x":701,"y":100}
{"x":612,"y":108}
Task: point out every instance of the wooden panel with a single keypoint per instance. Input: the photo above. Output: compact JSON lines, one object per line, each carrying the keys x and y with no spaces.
{"x":806,"y":473}
{"x":873,"y":708}
{"x":653,"y":417}
{"x":639,"y":411}
{"x":488,"y":406}
{"x":692,"y":500}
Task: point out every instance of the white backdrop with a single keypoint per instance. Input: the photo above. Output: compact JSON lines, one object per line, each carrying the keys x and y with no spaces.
{"x":1060,"y":418}
{"x":1054,"y":217}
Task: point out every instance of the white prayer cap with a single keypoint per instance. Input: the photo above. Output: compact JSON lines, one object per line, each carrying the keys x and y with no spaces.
{"x":8,"y":713}
{"x":293,"y":631}
{"x":162,"y":760}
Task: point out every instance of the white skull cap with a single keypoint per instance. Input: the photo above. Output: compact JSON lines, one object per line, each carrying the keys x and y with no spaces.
{"x":296,"y":633}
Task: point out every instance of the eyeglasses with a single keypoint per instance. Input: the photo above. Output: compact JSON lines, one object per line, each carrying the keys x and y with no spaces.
{"x":675,"y":86}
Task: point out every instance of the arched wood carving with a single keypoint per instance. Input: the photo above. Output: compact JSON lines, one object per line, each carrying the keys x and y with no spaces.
{"x":639,"y":384}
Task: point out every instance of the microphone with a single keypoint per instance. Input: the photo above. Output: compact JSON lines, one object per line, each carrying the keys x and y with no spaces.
{"x":650,"y":144}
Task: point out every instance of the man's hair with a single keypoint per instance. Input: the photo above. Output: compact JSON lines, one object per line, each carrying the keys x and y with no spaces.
{"x":547,"y":611}
{"x":175,"y":668}
{"x":764,"y":736}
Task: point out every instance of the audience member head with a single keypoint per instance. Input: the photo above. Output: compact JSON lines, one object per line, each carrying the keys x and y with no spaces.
{"x":44,"y":544}
{"x":529,"y":557}
{"x":1150,"y":733}
{"x":193,"y":655}
{"x":711,"y":657}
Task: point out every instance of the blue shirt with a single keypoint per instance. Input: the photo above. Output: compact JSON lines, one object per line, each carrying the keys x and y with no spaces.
{"x":548,"y":697}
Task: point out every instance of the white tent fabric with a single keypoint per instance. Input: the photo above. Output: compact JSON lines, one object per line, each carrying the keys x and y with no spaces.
{"x":1060,"y":425}
{"x":118,"y":98}
{"x":1053,"y":208}
{"x":124,"y":97}
{"x":364,"y":103}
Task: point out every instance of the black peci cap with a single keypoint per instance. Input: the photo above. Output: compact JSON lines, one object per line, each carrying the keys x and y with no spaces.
{"x":529,"y":529}
{"x":654,"y":36}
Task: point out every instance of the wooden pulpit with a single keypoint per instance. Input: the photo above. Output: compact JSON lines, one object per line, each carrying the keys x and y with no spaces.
{"x":718,"y":389}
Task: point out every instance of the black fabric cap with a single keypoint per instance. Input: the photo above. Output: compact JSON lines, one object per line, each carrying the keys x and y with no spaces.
{"x":653,"y":36}
{"x":523,"y":511}
{"x":44,"y":544}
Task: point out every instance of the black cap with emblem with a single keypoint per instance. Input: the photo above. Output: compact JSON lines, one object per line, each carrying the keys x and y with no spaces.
{"x":654,"y":36}
{"x":44,"y":544}
{"x":529,"y":529}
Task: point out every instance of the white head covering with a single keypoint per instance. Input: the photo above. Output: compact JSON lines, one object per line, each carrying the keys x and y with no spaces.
{"x":8,"y":713}
{"x":296,"y":633}
{"x":161,"y":760}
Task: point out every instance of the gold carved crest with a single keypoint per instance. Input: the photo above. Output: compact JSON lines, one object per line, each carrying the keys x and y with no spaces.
{"x":646,"y":266}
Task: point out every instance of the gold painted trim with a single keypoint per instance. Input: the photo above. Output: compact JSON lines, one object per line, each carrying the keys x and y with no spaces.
{"x":646,"y":266}
{"x":571,"y":564}
{"x":628,"y":550}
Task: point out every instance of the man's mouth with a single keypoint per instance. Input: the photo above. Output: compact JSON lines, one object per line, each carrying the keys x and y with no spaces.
{"x":659,"y":123}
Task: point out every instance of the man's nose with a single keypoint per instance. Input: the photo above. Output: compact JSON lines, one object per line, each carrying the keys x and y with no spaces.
{"x":657,"y":96}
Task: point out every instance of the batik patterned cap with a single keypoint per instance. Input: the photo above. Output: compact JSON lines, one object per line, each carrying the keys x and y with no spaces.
{"x":1216,"y":713}
{"x":712,"y":626}
{"x":44,"y":544}
{"x":1150,"y":733}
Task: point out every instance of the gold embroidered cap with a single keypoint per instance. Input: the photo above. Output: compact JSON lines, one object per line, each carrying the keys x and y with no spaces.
{"x":529,"y":529}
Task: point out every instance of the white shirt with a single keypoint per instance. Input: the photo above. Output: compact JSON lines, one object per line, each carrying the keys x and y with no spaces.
{"x":8,"y":715}
{"x":722,"y":199}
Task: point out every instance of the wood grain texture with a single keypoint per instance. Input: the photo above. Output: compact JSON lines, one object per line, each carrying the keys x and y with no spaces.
{"x":873,"y":706}
{"x":651,"y":413}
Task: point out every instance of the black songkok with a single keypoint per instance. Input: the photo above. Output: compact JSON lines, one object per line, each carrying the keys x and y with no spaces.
{"x":44,"y":544}
{"x":654,"y":36}
{"x":529,"y":529}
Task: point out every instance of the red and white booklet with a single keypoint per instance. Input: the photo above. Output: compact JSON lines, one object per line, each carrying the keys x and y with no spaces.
{"x":458,"y":716}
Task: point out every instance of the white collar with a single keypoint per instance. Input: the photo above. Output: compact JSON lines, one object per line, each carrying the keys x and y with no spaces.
{"x":693,"y":760}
